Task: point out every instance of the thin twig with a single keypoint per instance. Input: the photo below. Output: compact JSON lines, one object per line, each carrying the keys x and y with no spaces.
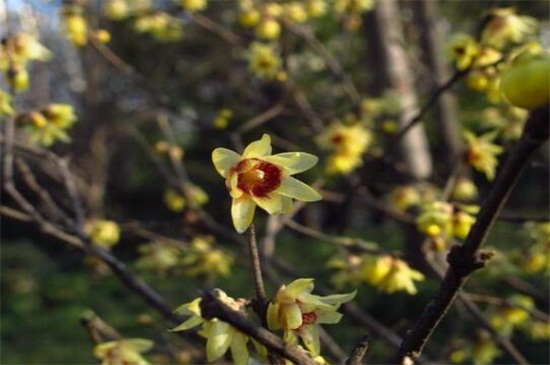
{"x":256,"y":265}
{"x":359,"y":351}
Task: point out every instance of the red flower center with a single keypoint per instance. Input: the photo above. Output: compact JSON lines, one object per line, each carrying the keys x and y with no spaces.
{"x":309,"y":318}
{"x":256,"y":177}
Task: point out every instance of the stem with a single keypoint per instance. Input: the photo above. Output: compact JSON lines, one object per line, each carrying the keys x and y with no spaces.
{"x":464,"y":260}
{"x":256,"y":265}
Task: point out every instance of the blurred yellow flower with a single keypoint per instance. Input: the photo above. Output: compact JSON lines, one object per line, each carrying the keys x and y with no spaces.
{"x":127,"y":351}
{"x":194,"y":5}
{"x":258,"y":178}
{"x":298,"y":313}
{"x":505,"y":26}
{"x":481,"y":153}
{"x":463,"y":50}
{"x":264,"y":61}
{"x":104,"y":233}
{"x":390,"y":274}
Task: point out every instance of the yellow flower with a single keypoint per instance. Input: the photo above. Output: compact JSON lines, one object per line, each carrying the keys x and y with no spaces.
{"x":159,"y":256}
{"x":298,"y":313}
{"x":264,"y":61}
{"x":62,"y":115}
{"x":194,"y":5}
{"x":174,"y":200}
{"x":219,"y":335}
{"x":5,"y":104}
{"x":268,"y":29}
{"x":315,"y":8}
{"x":390,"y":274}
{"x":464,"y":190}
{"x":295,"y":11}
{"x":481,"y":153}
{"x":405,"y":196}
{"x":123,"y":351}
{"x":258,"y":178}
{"x":463,"y":50}
{"x":103,"y":232}
{"x":462,"y":222}
{"x":203,"y":259}
{"x":116,"y":9}
{"x":435,"y":219}
{"x":22,"y":48}
{"x":505,"y":26}
{"x":75,"y":26}
{"x":348,"y":142}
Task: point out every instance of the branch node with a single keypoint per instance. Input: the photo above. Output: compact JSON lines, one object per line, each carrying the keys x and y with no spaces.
{"x":464,"y":263}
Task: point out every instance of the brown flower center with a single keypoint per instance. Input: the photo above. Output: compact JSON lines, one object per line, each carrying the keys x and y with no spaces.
{"x":256,"y":177}
{"x":309,"y":318}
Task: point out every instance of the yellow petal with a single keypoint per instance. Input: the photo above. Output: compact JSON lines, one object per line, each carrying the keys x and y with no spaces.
{"x":286,"y":204}
{"x":258,"y":148}
{"x":138,"y":344}
{"x":299,"y":286}
{"x":339,"y":298}
{"x":239,"y":351}
{"x":101,"y":350}
{"x":242,"y":212}
{"x":190,"y":323}
{"x":191,"y":308}
{"x":293,"y":162}
{"x":272,"y":204}
{"x":292,"y":316}
{"x":273,"y":316}
{"x":327,"y":316}
{"x":219,"y":340}
{"x":224,"y":159}
{"x":310,"y":336}
{"x":293,"y":188}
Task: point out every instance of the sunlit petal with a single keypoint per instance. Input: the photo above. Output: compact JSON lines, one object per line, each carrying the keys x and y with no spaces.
{"x":310,"y":336}
{"x":242,"y":212}
{"x":293,"y":162}
{"x":239,"y":349}
{"x":273,"y":316}
{"x":258,"y":148}
{"x":327,"y":316}
{"x":219,"y":340}
{"x":224,"y":160}
{"x":339,"y":298}
{"x":191,"y":308}
{"x":271,"y":204}
{"x":293,"y":188}
{"x":298,"y":287}
{"x":190,"y":323}
{"x":292,"y":316}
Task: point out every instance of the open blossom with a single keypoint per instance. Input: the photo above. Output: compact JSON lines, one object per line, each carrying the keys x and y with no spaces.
{"x":505,"y":25}
{"x":258,"y":178}
{"x":298,"y":312}
{"x":220,"y":336}
{"x":481,"y":153}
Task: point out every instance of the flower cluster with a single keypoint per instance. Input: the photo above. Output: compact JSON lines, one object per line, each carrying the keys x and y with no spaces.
{"x":49,"y":124}
{"x":16,"y":52}
{"x":199,"y":259}
{"x":298,"y":313}
{"x":161,"y":26}
{"x":258,"y":178}
{"x":441,"y":220}
{"x":387,"y":273}
{"x":220,"y":336}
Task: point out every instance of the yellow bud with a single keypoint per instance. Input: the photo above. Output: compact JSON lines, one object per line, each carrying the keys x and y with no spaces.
{"x":433,"y":230}
{"x":526,"y":83}
{"x":269,"y":29}
{"x":37,"y":119}
{"x":102,"y":36}
{"x":249,"y":18}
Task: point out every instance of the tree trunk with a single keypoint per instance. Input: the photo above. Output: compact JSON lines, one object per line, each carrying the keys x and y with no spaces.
{"x":445,"y":118}
{"x":393,"y":67}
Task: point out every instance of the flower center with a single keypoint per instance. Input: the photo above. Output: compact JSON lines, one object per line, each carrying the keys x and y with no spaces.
{"x":309,"y":318}
{"x":257,"y":178}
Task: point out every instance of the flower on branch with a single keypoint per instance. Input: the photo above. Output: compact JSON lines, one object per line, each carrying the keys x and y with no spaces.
{"x":298,"y":313}
{"x":481,"y":153}
{"x":220,"y":336}
{"x":126,"y":351}
{"x":258,"y":178}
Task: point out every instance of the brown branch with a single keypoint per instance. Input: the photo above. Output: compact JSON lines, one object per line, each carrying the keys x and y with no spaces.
{"x":466,"y":259}
{"x":359,"y":351}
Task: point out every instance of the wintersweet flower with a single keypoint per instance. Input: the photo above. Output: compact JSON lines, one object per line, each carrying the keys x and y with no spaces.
{"x":298,"y":313}
{"x":505,"y":25}
{"x":258,"y":178}
{"x":481,"y":153}
{"x":390,"y":274}
{"x":463,"y":50}
{"x":126,"y":351}
{"x":220,"y":336}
